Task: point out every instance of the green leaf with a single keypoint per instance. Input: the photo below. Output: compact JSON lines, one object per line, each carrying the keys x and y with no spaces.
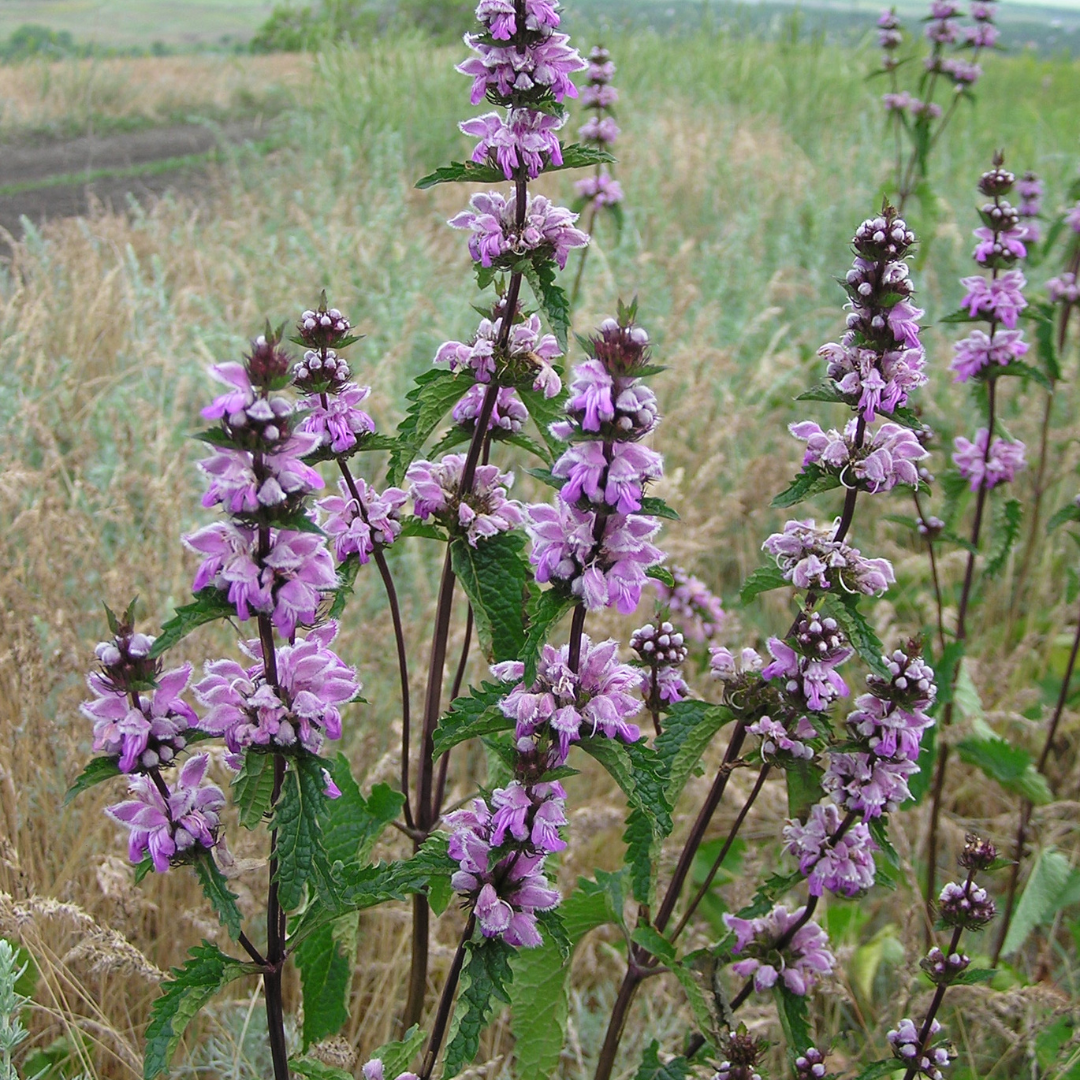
{"x":210,"y":604}
{"x":1065,"y":514}
{"x":346,"y":574}
{"x":1050,"y":882}
{"x":495,"y":579}
{"x":794,"y":1020}
{"x":649,"y":938}
{"x":651,"y":1068}
{"x":182,"y":996}
{"x":865,"y":642}
{"x":811,"y":481}
{"x":351,"y":824}
{"x":540,"y":275}
{"x":435,"y":392}
{"x":876,"y":1070}
{"x":413,"y":526}
{"x":397,"y":1056}
{"x":325,"y":979}
{"x":253,"y":788}
{"x":1046,"y":340}
{"x":545,"y":609}
{"x":594,"y":903}
{"x":764,"y":579}
{"x":1009,"y":765}
{"x":803,"y":787}
{"x":317,"y":1070}
{"x":581,"y":156}
{"x":688,"y":729}
{"x":661,"y":574}
{"x":879,"y":831}
{"x":143,"y":868}
{"x":97,"y":771}
{"x":463,"y":172}
{"x":216,"y":890}
{"x":300,"y":852}
{"x":650,"y":504}
{"x":961,"y":316}
{"x":539,"y":1008}
{"x":974,"y":976}
{"x":484,"y":982}
{"x":544,"y":412}
{"x":823,"y":391}
{"x":471,"y":716}
{"x":1006,"y":532}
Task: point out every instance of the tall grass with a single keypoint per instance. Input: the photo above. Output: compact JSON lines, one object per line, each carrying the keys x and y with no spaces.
{"x":746,"y":166}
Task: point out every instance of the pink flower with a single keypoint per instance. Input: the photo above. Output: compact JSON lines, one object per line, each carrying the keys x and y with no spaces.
{"x":979,"y":351}
{"x":1000,"y":466}
{"x":357,"y":530}
{"x":844,"y":866}
{"x":529,"y":138}
{"x":1001,"y":297}
{"x":802,"y":961}
{"x":340,"y":422}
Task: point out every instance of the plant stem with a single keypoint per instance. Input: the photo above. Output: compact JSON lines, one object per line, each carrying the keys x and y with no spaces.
{"x":455,"y":690}
{"x":931,"y":1013}
{"x":703,"y":891}
{"x":934,"y":575}
{"x":1026,"y":806}
{"x":442,"y":1017}
{"x":584,"y":254}
{"x":961,"y":636}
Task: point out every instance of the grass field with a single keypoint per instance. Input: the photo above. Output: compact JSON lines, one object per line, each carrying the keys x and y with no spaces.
{"x":747,"y":166}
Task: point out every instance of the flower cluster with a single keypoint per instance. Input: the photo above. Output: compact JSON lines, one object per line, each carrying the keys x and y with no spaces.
{"x":526,"y":356}
{"x":562,"y":706}
{"x":171,"y":825}
{"x":373,"y":1070}
{"x":988,"y":466}
{"x":810,"y":1064}
{"x":699,"y":611}
{"x":808,"y":664}
{"x":832,"y":856}
{"x":504,"y":877}
{"x":798,"y":965}
{"x":661,"y":650}
{"x":810,"y":558}
{"x":1030,"y":189}
{"x":599,"y":97}
{"x":247,"y":710}
{"x":595,"y":542}
{"x":480,"y":513}
{"x":879,"y":360}
{"x":361,"y":523}
{"x":740,"y":1052}
{"x":886,"y":458}
{"x":499,"y":239}
{"x":886,"y":728}
{"x":890,"y":38}
{"x":968,"y":905}
{"x":138,"y":715}
{"x":927,"y":1060}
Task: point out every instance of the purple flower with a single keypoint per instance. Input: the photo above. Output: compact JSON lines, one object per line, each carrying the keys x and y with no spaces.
{"x":603,"y":190}
{"x":500,"y":17}
{"x":340,"y":422}
{"x":1072,"y":218}
{"x":700,"y":613}
{"x":868,"y":785}
{"x":497,"y":240}
{"x":810,"y":559}
{"x":776,"y":739}
{"x":231,"y":406}
{"x":803,"y":960}
{"x":617,"y":480}
{"x":811,"y":673}
{"x":904,"y":1039}
{"x":661,"y":650}
{"x":358,"y":531}
{"x":509,"y":413}
{"x":145,"y":735}
{"x":1000,"y":244}
{"x":979,"y":351}
{"x":723,"y":666}
{"x":303,"y":709}
{"x":171,"y":831}
{"x":599,"y":95}
{"x":528,"y":351}
{"x":1000,"y":466}
{"x":373,"y":1070}
{"x":507,"y":71}
{"x":527,"y":139}
{"x":968,"y":905}
{"x":477,"y":514}
{"x":234,"y":483}
{"x":1064,"y":289}
{"x":529,"y":813}
{"x":878,"y":382}
{"x":886,"y":458}
{"x":599,"y":129}
{"x":1002,"y":298}
{"x":844,"y":866}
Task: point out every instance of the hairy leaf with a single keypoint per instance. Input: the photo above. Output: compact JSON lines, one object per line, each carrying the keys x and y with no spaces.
{"x":397,"y":1056}
{"x":1068,"y":513}
{"x":650,"y":504}
{"x":811,"y":481}
{"x":863,"y":640}
{"x":803,"y":787}
{"x":182,"y":996}
{"x":97,"y":770}
{"x":471,"y":716}
{"x":1009,"y":765}
{"x":434,"y":394}
{"x":313,"y":1069}
{"x":253,"y":788}
{"x":209,"y":604}
{"x":823,"y":391}
{"x":465,"y":172}
{"x":495,"y":579}
{"x":539,"y":1008}
{"x":764,"y":579}
{"x":540,"y":274}
{"x":484,"y":982}
{"x":661,"y":574}
{"x":300,"y":851}
{"x":1051,"y":886}
{"x":346,"y":574}
{"x":877,"y":1070}
{"x":794,"y":1020}
{"x":544,"y":412}
{"x":689,"y":727}
{"x":325,"y":979}
{"x":352,"y":824}
{"x":216,"y":890}
{"x":975,"y":976}
{"x":1006,"y":532}
{"x":651,"y":1068}
{"x":545,"y":609}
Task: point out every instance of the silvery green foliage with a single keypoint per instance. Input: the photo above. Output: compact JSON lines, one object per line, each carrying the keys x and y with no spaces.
{"x":12,"y":1032}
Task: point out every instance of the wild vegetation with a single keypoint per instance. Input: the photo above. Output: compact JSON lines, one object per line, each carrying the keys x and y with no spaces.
{"x":746,"y":167}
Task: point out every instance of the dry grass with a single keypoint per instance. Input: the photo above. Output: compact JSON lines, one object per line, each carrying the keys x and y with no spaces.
{"x":77,"y":96}
{"x":106,"y":326}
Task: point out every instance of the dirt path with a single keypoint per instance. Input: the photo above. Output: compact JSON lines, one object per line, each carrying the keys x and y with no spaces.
{"x":58,"y":178}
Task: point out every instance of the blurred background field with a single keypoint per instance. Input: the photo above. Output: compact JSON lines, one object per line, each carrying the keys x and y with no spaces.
{"x":747,"y":161}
